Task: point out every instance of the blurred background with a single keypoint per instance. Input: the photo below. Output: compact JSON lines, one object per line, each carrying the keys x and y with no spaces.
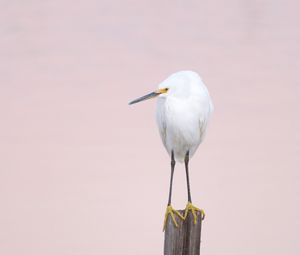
{"x":81,"y":172}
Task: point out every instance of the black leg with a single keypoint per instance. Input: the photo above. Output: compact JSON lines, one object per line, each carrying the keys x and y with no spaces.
{"x":186,"y":161}
{"x":171,"y":180}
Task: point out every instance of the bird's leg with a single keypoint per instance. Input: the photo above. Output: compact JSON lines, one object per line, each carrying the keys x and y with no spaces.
{"x":173,"y":162}
{"x":186,"y":163}
{"x":190,"y":206}
{"x":170,"y":209}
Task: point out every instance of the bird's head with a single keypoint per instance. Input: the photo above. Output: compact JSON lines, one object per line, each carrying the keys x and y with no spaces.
{"x":177,"y":85}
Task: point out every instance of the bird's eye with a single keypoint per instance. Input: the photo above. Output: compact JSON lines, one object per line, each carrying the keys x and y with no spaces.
{"x":162,"y":91}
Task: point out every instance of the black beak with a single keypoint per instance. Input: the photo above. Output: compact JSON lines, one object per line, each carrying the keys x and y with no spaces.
{"x":146,"y":97}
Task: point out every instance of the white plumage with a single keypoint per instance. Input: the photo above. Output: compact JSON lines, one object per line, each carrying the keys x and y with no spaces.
{"x":183,"y":113}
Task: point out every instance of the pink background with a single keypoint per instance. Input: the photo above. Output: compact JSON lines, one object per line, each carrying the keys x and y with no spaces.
{"x":81,"y":172}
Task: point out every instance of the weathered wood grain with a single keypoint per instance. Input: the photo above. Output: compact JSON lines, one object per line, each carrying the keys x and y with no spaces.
{"x":184,"y":239}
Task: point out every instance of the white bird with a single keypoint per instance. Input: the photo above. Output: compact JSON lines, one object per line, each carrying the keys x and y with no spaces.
{"x":183,"y":110}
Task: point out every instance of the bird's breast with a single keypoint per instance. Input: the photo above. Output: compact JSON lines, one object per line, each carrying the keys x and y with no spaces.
{"x":178,"y":123}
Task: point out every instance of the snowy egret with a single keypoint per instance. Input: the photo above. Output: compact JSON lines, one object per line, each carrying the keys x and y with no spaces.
{"x":183,"y":111}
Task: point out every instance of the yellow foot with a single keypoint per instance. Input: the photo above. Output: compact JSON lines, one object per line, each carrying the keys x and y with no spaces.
{"x":172,"y":212}
{"x":193,"y":209}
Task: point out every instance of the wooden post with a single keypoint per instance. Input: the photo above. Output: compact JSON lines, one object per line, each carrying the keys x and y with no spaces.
{"x":184,"y":239}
